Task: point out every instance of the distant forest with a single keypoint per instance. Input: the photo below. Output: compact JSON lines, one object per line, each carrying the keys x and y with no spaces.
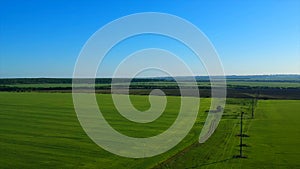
{"x":260,"y":86}
{"x":259,"y":78}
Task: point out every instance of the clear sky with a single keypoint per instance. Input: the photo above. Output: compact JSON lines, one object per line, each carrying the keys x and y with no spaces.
{"x":44,"y":38}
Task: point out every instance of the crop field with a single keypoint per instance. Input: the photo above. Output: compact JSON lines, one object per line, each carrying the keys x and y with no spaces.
{"x":272,"y":142}
{"x":41,"y":130}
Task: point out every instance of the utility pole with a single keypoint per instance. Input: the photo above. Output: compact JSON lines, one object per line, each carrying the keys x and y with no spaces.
{"x":252,"y":107}
{"x":241,"y":136}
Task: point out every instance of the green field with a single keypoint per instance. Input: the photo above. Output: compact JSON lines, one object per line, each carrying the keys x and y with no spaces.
{"x":41,"y":130}
{"x":273,"y":141}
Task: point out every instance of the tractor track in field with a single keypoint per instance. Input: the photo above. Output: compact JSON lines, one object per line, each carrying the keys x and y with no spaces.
{"x":180,"y":153}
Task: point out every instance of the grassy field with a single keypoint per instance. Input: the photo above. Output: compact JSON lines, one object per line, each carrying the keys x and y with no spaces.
{"x":40,"y":130}
{"x":273,"y":141}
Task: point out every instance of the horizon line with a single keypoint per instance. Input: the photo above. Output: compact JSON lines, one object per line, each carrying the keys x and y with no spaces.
{"x":49,"y":77}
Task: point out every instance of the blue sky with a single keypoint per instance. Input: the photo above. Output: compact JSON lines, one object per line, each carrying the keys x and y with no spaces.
{"x":44,"y":38}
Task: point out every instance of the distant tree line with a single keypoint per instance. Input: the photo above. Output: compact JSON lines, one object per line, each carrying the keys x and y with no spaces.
{"x":69,"y":80}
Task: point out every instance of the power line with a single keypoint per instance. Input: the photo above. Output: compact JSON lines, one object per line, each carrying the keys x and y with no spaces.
{"x":252,"y":107}
{"x":241,"y":135}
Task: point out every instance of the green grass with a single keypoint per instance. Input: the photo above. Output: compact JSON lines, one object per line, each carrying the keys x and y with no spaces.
{"x":40,"y":130}
{"x":273,"y":141}
{"x":275,"y":135}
